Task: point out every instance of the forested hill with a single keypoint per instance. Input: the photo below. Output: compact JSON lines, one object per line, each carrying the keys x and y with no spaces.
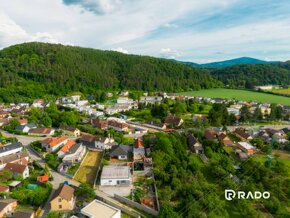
{"x":247,"y":76}
{"x":35,"y":69}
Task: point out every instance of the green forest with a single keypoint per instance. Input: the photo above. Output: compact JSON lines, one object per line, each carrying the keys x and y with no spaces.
{"x":188,"y":187}
{"x":34,"y":70}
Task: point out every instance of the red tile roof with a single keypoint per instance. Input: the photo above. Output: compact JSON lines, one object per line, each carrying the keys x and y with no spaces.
{"x":68,"y":146}
{"x":15,"y":168}
{"x":54,"y":141}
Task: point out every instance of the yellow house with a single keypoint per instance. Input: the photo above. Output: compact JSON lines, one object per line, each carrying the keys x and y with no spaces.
{"x":63,"y":199}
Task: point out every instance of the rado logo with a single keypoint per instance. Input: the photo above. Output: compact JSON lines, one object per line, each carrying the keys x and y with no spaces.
{"x":231,"y":194}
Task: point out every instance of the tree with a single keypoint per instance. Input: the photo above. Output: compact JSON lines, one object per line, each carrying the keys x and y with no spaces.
{"x":86,"y":191}
{"x":46,"y":121}
{"x":167,"y":211}
{"x":5,"y":175}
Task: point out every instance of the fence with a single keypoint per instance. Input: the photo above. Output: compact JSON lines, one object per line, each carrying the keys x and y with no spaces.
{"x":136,"y":205}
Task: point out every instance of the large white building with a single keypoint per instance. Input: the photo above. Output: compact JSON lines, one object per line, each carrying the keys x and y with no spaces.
{"x":116,"y":175}
{"x":98,"y":209}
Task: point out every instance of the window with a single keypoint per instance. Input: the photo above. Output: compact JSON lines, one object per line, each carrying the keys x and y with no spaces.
{"x":59,"y":206}
{"x":59,"y":200}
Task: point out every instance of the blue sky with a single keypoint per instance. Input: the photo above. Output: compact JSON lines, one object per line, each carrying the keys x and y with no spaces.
{"x":188,"y":30}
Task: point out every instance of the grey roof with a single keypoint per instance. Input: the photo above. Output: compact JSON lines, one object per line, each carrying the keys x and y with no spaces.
{"x":23,"y":214}
{"x":13,"y":157}
{"x":74,"y":148}
{"x":118,"y":150}
{"x":115,"y":172}
{"x":30,"y":126}
{"x":10,"y":147}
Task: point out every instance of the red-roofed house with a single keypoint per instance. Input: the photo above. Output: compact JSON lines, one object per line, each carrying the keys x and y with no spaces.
{"x":52,"y":144}
{"x":65,"y":149}
{"x":18,"y":169}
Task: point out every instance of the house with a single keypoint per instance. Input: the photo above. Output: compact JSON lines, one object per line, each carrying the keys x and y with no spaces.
{"x":101,"y":124}
{"x":63,"y":199}
{"x":75,"y":154}
{"x":14,"y":184}
{"x":155,"y":125}
{"x":23,"y":121}
{"x":172,"y":120}
{"x":24,"y":214}
{"x":20,"y":158}
{"x":124,"y":100}
{"x":4,"y":114}
{"x":225,"y":139}
{"x":150,"y":99}
{"x":41,"y":132}
{"x":18,"y":169}
{"x":65,"y":148}
{"x":11,"y":149}
{"x":7,"y":206}
{"x":25,"y":128}
{"x":105,"y":142}
{"x":138,"y":150}
{"x":42,"y":179}
{"x":70,"y":131}
{"x":4,"y":189}
{"x":210,"y":134}
{"x":98,"y":209}
{"x":242,"y":135}
{"x":116,"y":175}
{"x":88,"y":140}
{"x":194,"y":145}
{"x":246,"y":147}
{"x":120,"y":152}
{"x":118,"y":124}
{"x":53,"y":144}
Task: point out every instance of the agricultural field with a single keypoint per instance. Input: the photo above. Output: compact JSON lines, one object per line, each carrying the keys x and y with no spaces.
{"x":282,"y":91}
{"x":89,"y":167}
{"x":240,"y":95}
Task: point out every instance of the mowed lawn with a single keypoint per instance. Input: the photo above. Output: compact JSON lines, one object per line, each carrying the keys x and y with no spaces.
{"x":240,"y":95}
{"x":88,"y":169}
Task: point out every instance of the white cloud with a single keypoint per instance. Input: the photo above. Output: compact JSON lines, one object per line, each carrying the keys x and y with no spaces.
{"x":169,"y":53}
{"x":121,"y":50}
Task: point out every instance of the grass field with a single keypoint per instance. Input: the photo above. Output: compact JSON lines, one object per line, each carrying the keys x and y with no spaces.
{"x":88,"y":169}
{"x":283,"y":156}
{"x":240,"y":95}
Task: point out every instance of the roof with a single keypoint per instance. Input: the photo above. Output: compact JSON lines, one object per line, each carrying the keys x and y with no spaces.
{"x":15,"y":183}
{"x":23,"y":213}
{"x":5,"y":202}
{"x":68,"y":128}
{"x":65,"y":191}
{"x":10,"y":147}
{"x":15,"y":168}
{"x":172,"y":120}
{"x":98,"y":209}
{"x":68,"y":146}
{"x":74,"y":148}
{"x":242,"y":133}
{"x":54,"y":141}
{"x":191,"y":140}
{"x":210,"y":135}
{"x":115,"y":172}
{"x":246,"y":145}
{"x":88,"y":138}
{"x":41,"y":130}
{"x":3,"y":188}
{"x":14,"y":157}
{"x":139,"y":143}
{"x":117,"y":150}
{"x":43,"y":178}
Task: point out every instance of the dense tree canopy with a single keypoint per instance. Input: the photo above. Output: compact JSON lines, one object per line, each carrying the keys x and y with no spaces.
{"x":39,"y":69}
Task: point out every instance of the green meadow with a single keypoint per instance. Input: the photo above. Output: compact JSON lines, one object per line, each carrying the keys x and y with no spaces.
{"x":240,"y":95}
